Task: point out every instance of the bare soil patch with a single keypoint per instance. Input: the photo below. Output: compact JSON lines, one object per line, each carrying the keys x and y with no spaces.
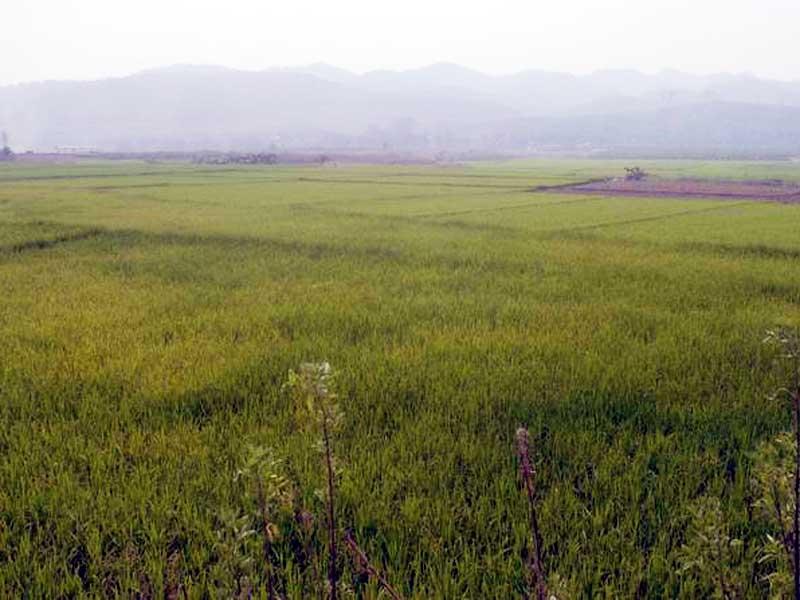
{"x":767,"y":190}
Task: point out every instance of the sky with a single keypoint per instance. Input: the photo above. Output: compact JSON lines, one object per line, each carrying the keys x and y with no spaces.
{"x":88,"y":39}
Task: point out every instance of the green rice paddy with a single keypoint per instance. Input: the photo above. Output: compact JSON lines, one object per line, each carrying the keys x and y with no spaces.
{"x":149,"y":315}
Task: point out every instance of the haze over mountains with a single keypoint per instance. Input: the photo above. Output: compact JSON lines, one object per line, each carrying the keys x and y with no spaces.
{"x":440,"y":108}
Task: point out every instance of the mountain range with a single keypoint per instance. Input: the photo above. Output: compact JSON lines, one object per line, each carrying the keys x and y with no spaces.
{"x":439,"y":108}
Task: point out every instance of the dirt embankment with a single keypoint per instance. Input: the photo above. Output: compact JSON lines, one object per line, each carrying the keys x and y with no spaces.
{"x":766,"y":190}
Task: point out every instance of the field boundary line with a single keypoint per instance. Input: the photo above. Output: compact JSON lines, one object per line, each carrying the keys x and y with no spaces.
{"x":45,"y":243}
{"x":501,"y":208}
{"x":562,"y":186}
{"x":187,"y":172}
{"x":520,"y":188}
{"x":661,"y":217}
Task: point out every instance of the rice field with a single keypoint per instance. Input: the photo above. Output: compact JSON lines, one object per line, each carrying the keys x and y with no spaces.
{"x":149,"y":315}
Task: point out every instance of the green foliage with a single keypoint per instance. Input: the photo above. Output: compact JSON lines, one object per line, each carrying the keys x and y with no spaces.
{"x":316,"y":404}
{"x":776,"y":471}
{"x":773,"y":478}
{"x":271,"y":490}
{"x":711,"y":554}
{"x":318,"y":409}
{"x":138,"y":363}
{"x":235,"y":566}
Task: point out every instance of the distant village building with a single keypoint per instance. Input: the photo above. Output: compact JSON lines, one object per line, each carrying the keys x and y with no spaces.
{"x":76,"y":150}
{"x":237,"y":159}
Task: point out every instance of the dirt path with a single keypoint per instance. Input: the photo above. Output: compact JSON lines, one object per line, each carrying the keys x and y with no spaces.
{"x":767,"y":191}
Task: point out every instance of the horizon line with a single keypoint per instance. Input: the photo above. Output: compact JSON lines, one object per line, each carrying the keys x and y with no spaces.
{"x":435,"y":64}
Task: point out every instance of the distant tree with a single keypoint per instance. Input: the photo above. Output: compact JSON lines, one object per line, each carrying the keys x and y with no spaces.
{"x":6,"y":153}
{"x":634,"y":174}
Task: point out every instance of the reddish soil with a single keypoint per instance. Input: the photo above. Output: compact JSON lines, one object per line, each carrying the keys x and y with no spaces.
{"x":775,"y":191}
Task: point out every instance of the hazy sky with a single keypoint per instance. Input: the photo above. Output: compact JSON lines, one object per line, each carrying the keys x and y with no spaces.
{"x":79,"y":39}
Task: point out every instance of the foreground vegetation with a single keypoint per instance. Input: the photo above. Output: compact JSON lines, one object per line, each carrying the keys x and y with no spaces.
{"x":150,"y":315}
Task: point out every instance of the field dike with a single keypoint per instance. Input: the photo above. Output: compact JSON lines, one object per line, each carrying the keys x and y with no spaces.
{"x":46,"y":243}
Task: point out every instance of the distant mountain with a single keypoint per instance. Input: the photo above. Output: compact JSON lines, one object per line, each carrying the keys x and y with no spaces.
{"x":439,"y":107}
{"x":708,"y":128}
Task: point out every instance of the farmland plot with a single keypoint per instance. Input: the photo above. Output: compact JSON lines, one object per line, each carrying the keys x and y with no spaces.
{"x":150,"y":314}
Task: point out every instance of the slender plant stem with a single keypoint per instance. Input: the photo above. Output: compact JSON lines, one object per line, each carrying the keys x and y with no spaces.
{"x":333,"y":571}
{"x":723,"y":584}
{"x":796,"y":523}
{"x":362,"y":560}
{"x":267,"y":534}
{"x":528,"y":474}
{"x":303,"y":518}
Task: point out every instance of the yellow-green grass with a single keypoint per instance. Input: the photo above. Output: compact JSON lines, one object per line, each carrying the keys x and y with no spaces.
{"x":146,"y":340}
